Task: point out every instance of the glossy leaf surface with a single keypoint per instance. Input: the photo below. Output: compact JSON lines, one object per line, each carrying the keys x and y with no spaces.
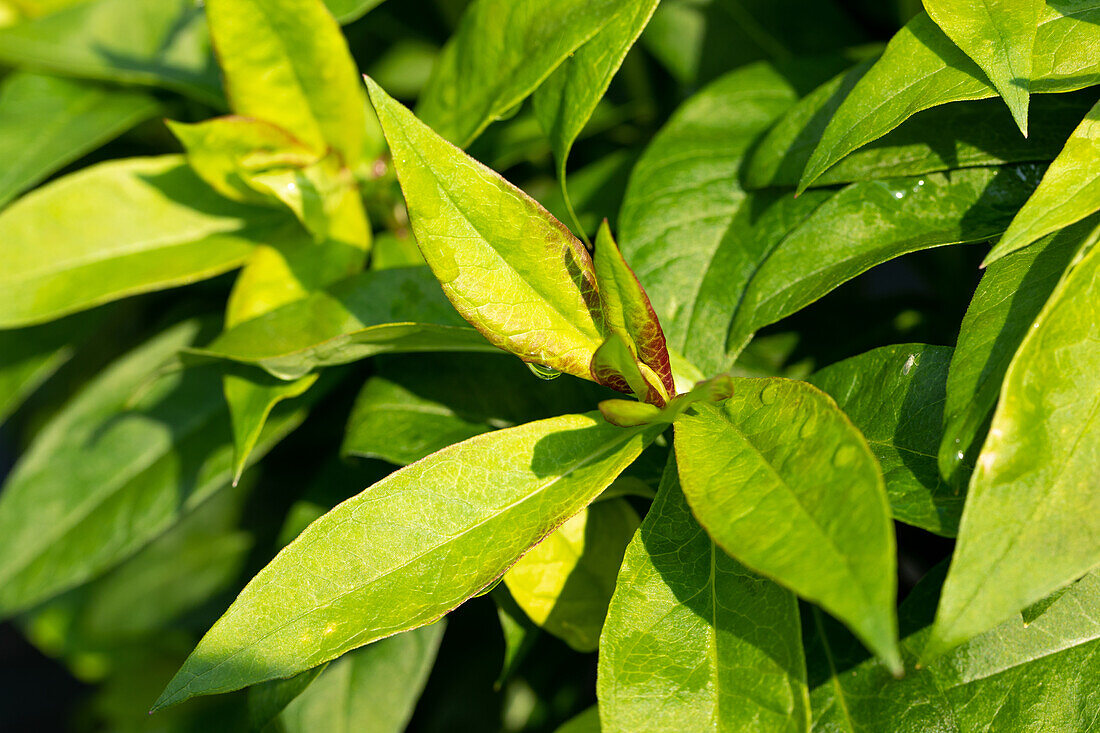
{"x":565,"y":582}
{"x":457,"y":521}
{"x":47,"y":122}
{"x":1018,"y":676}
{"x":116,"y":229}
{"x":415,"y":405}
{"x":501,"y":52}
{"x":1009,"y":297}
{"x":106,"y":476}
{"x":161,"y":43}
{"x":1069,"y":191}
{"x":694,"y":640}
{"x":1032,"y":515}
{"x":778,"y":468}
{"x":999,"y":36}
{"x":286,"y":62}
{"x":512,"y":270}
{"x":370,"y":689}
{"x":371,"y":313}
{"x":895,"y":396}
{"x":931,"y":70}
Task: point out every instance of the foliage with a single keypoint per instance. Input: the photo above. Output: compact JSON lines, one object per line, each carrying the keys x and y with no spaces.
{"x":662,"y":347}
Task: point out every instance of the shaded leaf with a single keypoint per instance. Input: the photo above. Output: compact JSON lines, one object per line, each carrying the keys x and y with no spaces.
{"x":268,"y":699}
{"x":1069,"y":191}
{"x":501,"y":52}
{"x":1031,"y":514}
{"x":586,"y":722}
{"x":1009,"y":297}
{"x":117,"y":229}
{"x":565,"y":582}
{"x":1041,"y":676}
{"x":416,"y":405}
{"x":115,"y":469}
{"x":371,"y":313}
{"x":895,"y":396}
{"x":999,"y":35}
{"x":46,"y":123}
{"x":161,"y":43}
{"x":370,"y":689}
{"x":929,"y":70}
{"x":454,"y":522}
{"x":694,"y":640}
{"x":778,"y":468}
{"x":512,"y":270}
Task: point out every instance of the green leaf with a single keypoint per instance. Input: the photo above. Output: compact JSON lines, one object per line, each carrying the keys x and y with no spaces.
{"x":267,"y":699}
{"x":922,"y":68}
{"x":162,"y":43}
{"x":1031,"y":514}
{"x":30,"y":356}
{"x":113,"y":470}
{"x":371,"y":689}
{"x":954,"y":135}
{"x":565,"y":582}
{"x":1041,"y":676}
{"x":371,"y":313}
{"x":540,"y":301}
{"x":627,"y":311}
{"x":347,"y":11}
{"x":1069,"y":191}
{"x":286,"y":62}
{"x":501,"y":52}
{"x":895,"y":396}
{"x":1008,"y":299}
{"x":519,"y":632}
{"x":683,"y":193}
{"x":416,"y":405}
{"x":777,"y":469}
{"x":453,"y":523}
{"x":586,"y":722}
{"x":999,"y":35}
{"x":46,"y":123}
{"x":694,"y":640}
{"x":566,"y":100}
{"x":117,"y":229}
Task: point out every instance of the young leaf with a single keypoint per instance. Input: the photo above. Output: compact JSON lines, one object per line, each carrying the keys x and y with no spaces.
{"x":454,"y":522}
{"x":104,"y":477}
{"x":615,"y":365}
{"x":1008,"y":299}
{"x":1031,"y":515}
{"x":286,"y":62}
{"x":1069,"y":191}
{"x":999,"y":35}
{"x":371,"y":313}
{"x":371,"y":689}
{"x":895,"y":396}
{"x":693,"y":640}
{"x":117,"y":229}
{"x":565,"y":582}
{"x":777,"y":469}
{"x":512,"y":270}
{"x":46,"y":123}
{"x":922,"y":68}
{"x":161,"y":43}
{"x":627,"y":311}
{"x":502,"y":51}
{"x":415,"y":405}
{"x":1041,"y":676}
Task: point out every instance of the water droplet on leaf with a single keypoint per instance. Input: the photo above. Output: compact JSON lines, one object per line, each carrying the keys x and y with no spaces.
{"x":845,"y":456}
{"x":768,"y":394}
{"x":544,"y":372}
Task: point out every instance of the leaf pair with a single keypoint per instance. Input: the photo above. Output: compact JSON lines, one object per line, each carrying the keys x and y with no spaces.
{"x":517,"y":274}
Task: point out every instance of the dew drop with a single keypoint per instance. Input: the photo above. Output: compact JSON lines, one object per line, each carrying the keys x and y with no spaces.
{"x":959,"y":456}
{"x":768,"y":394}
{"x":845,"y":456}
{"x":899,"y":194}
{"x":544,"y":372}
